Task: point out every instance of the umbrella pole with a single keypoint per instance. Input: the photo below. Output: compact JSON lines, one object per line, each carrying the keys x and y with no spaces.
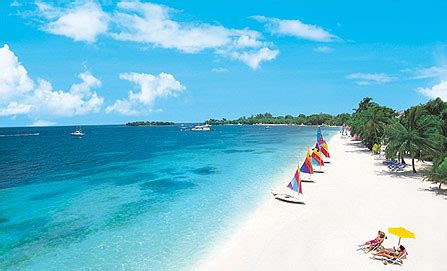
{"x":399,"y":242}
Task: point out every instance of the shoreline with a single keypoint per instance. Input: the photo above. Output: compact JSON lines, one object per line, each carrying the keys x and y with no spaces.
{"x":344,"y":207}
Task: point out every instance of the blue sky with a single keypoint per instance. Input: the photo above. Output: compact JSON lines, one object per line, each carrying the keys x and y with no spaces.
{"x":104,"y":62}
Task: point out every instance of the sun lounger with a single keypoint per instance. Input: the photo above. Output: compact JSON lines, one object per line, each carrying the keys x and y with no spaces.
{"x":396,"y":260}
{"x":366,"y":249}
{"x":396,"y":166}
{"x":388,"y":162}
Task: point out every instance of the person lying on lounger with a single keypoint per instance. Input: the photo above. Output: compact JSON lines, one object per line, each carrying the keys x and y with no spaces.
{"x":373,"y":243}
{"x":391,"y":253}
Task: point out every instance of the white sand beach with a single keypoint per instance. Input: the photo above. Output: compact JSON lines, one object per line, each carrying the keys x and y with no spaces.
{"x":356,"y":196}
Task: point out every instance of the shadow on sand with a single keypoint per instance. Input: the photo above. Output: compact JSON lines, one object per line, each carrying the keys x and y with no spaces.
{"x":407,"y":173}
{"x":307,"y":181}
{"x":438,"y":192}
{"x":291,"y":202}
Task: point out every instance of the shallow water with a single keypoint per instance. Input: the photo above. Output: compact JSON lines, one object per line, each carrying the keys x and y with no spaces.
{"x":133,"y":197}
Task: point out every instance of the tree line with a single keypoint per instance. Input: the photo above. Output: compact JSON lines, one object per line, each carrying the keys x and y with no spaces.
{"x":149,"y":123}
{"x":419,"y":132}
{"x":268,"y":118}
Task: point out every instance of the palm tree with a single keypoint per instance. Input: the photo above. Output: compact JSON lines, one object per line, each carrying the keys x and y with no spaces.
{"x":438,"y":174}
{"x":416,"y":134}
{"x":370,"y":123}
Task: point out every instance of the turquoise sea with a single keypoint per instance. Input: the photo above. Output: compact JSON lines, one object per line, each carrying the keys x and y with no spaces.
{"x":134,"y":198}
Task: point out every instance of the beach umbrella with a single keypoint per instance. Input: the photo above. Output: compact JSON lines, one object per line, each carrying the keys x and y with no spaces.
{"x":402,"y":233}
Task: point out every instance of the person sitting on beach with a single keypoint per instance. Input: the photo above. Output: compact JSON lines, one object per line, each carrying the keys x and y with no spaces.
{"x":391,"y":253}
{"x":373,"y":243}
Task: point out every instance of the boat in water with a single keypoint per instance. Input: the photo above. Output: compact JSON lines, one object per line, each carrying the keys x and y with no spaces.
{"x":201,"y":128}
{"x":78,"y":132}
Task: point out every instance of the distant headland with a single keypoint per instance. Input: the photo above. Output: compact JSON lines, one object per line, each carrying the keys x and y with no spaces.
{"x":149,"y":123}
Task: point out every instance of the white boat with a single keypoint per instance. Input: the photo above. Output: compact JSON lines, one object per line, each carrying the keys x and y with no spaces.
{"x":201,"y":128}
{"x":78,"y":132}
{"x":295,"y":186}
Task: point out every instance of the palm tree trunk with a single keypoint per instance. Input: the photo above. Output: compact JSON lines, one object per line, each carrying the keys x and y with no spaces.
{"x":439,"y":188}
{"x":412,"y":163}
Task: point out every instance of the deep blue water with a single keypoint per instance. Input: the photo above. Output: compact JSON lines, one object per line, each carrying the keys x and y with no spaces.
{"x":133,"y":198}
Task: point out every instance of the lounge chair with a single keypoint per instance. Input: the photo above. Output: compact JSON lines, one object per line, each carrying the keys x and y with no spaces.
{"x":396,"y":166}
{"x":388,"y":162}
{"x":366,"y":249}
{"x":395,"y":260}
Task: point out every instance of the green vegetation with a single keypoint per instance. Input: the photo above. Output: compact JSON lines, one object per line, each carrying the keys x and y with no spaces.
{"x":267,"y":118}
{"x":419,"y":132}
{"x":438,"y":173}
{"x":415,"y":134}
{"x":149,"y":123}
{"x":370,"y":120}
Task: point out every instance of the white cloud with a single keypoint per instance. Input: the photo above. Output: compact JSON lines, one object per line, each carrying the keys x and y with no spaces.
{"x":248,"y":41}
{"x":20,"y":95}
{"x":42,"y":123}
{"x":323,"y":49}
{"x":15,"y":108}
{"x":83,"y":21}
{"x":14,"y":78}
{"x":150,"y":88}
{"x":370,"y":78}
{"x":432,"y":72}
{"x":255,"y":57}
{"x":79,"y":100}
{"x":152,"y":24}
{"x":439,"y":90}
{"x":296,"y":28}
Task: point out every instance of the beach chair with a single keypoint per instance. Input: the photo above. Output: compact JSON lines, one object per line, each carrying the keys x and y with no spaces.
{"x":396,"y":260}
{"x":387,"y":162}
{"x":400,"y":167}
{"x":397,"y":166}
{"x":366,"y":249}
{"x":393,"y":165}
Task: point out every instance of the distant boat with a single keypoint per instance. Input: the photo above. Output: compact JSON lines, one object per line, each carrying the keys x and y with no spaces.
{"x":201,"y":128}
{"x":183,"y":127}
{"x":78,"y":132}
{"x":267,"y":127}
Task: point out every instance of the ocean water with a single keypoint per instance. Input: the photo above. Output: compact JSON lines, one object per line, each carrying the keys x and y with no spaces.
{"x":134,"y":198}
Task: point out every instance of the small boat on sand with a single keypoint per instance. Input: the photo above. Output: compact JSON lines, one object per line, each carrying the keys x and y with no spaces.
{"x":294,"y":185}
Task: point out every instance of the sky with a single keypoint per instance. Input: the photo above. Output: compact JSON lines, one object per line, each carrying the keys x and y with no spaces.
{"x":110,"y":62}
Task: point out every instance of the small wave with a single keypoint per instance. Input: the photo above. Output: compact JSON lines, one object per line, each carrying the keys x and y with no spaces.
{"x":35,"y":134}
